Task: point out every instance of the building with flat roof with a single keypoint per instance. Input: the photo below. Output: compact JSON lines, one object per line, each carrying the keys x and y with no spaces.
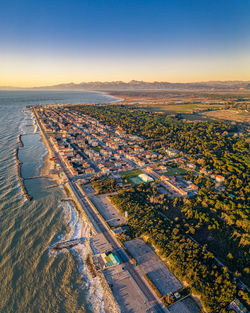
{"x":146,"y":178}
{"x":238,"y":307}
{"x":110,"y":259}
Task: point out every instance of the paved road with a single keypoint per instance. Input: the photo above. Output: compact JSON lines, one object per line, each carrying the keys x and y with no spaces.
{"x":102,"y":228}
{"x":118,"y":250}
{"x":84,"y":156}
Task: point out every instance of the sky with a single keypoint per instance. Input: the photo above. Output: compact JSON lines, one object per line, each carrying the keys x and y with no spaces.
{"x":46,"y":42}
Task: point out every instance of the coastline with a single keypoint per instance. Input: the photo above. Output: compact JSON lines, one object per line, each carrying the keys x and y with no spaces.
{"x":108,"y":303}
{"x":109,"y":93}
{"x":48,"y":166}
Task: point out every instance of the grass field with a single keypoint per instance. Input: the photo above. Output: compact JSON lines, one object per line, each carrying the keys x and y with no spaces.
{"x":131,"y":173}
{"x":131,"y":177}
{"x":174,"y":171}
{"x":180,"y":108}
{"x":230,"y":115}
{"x":135,"y":180}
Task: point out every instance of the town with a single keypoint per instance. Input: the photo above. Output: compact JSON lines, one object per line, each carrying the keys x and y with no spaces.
{"x":86,"y":151}
{"x":99,"y":161}
{"x":89,"y":148}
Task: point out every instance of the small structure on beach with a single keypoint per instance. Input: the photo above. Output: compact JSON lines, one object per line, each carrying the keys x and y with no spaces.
{"x":110,"y":259}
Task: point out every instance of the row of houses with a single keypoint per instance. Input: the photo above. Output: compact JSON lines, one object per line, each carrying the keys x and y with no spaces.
{"x":182,"y":187}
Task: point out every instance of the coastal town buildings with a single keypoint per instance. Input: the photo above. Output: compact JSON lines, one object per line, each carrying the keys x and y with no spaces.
{"x":91,"y":148}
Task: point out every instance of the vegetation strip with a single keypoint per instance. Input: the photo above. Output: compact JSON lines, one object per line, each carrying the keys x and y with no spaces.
{"x":187,"y":260}
{"x":216,"y":218}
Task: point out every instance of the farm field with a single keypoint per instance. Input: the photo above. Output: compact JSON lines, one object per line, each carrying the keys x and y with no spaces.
{"x":181,"y":108}
{"x":230,"y":115}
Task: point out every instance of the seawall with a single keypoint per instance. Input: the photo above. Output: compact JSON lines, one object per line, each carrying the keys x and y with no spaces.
{"x":19,"y":176}
{"x":108,"y":294}
{"x":20,"y":140}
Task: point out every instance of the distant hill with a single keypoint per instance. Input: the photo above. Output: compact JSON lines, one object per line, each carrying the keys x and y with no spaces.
{"x":140,"y":85}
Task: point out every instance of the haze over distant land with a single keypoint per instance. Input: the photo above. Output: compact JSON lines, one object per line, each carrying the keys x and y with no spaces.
{"x":137,"y":85}
{"x":142,"y":85}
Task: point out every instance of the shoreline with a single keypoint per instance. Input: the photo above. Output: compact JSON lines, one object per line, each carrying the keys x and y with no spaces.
{"x":109,"y":303}
{"x":47,"y":166}
{"x":108,"y":93}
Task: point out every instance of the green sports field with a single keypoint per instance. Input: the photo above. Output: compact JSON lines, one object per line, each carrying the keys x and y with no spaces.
{"x":174,"y":171}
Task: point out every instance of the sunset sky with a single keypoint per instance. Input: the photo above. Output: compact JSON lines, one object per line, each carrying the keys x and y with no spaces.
{"x":46,"y":42}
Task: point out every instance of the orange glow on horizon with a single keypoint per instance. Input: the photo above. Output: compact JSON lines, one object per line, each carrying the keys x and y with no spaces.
{"x":29,"y":71}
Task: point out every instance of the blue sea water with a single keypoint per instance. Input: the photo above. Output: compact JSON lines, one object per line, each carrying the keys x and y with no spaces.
{"x":33,"y":278}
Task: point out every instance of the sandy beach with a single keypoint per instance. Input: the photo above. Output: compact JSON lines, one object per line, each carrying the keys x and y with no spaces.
{"x":48,"y":168}
{"x":109,"y":304}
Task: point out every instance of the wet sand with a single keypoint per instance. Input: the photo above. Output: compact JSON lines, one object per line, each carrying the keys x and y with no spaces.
{"x":48,"y":165}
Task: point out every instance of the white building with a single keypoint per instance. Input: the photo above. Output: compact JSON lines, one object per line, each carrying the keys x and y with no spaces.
{"x":146,"y":178}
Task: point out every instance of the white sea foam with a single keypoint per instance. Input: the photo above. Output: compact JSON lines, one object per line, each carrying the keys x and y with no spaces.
{"x":27,"y":120}
{"x":80,"y":229}
{"x":34,"y":123}
{"x":35,"y":129}
{"x":23,"y":126}
{"x":18,"y":220}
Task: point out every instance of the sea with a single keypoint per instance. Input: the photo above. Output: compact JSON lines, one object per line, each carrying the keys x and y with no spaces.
{"x":33,"y":277}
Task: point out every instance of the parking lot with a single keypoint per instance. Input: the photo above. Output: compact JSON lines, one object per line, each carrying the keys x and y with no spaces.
{"x":187,"y":305}
{"x":125,"y":290}
{"x":99,"y":244}
{"x":150,"y":264}
{"x":111,"y":215}
{"x":88,"y":189}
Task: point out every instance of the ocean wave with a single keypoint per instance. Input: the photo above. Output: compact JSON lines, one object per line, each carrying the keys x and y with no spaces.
{"x":80,"y":229}
{"x":10,"y":192}
{"x":34,"y":277}
{"x":42,"y":157}
{"x":26,"y":123}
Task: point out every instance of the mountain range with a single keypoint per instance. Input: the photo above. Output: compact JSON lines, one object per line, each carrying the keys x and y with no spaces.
{"x":142,"y":85}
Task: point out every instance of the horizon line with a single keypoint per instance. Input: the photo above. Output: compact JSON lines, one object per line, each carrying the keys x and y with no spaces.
{"x":124,"y":81}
